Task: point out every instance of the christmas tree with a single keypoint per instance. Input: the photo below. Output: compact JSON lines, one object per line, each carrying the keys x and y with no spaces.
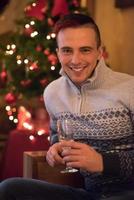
{"x":28,"y":60}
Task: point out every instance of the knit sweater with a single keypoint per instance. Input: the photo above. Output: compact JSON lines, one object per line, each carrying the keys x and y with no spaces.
{"x":103,"y":111}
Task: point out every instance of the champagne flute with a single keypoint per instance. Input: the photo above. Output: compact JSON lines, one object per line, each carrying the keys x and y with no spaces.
{"x":65,"y":131}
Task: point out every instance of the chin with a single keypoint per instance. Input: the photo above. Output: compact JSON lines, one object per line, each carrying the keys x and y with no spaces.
{"x":78,"y":82}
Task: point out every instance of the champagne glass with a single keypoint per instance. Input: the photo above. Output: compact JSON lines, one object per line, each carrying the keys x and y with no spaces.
{"x":65,"y":131}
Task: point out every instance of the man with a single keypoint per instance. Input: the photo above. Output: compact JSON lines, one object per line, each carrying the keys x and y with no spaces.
{"x":101,"y":102}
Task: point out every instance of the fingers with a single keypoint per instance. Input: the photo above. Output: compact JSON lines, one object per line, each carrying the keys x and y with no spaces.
{"x":53,"y":155}
{"x":71,"y":143}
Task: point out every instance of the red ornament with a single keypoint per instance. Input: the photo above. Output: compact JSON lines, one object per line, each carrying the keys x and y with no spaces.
{"x":39,"y":48}
{"x":75,"y":3}
{"x":26,"y":83}
{"x":44,"y":82}
{"x":34,"y":67}
{"x":10,"y":98}
{"x":28,"y":31}
{"x":60,"y":8}
{"x":3,"y":78}
{"x":50,"y":22}
{"x":41,"y":99}
{"x":46,"y":52}
{"x":37,"y":10}
{"x":53,"y":59}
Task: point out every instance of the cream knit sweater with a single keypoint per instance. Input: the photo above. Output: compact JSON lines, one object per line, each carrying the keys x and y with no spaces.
{"x":103,"y":111}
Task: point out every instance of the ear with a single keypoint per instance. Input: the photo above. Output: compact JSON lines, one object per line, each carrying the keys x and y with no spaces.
{"x":100,"y":52}
{"x":57,"y":52}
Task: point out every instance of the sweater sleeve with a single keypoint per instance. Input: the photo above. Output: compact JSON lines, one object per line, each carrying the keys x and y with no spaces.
{"x":121,"y":164}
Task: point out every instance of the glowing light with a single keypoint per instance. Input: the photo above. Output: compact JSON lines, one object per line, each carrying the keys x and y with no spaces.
{"x":13,"y":46}
{"x":8,"y":46}
{"x":19,"y":62}
{"x":18,"y":57}
{"x":33,"y":4}
{"x":52,"y":67}
{"x":15,"y":120}
{"x":8,"y":108}
{"x":48,"y":138}
{"x":28,"y":114}
{"x":10,"y":52}
{"x":53,"y":35}
{"x":32,"y":22}
{"x":27,"y":26}
{"x":40,"y":132}
{"x":48,"y":37}
{"x":31,"y":68}
{"x":27,"y":126}
{"x":11,"y":117}
{"x":34,"y":34}
{"x":26,"y":61}
{"x":31,"y":137}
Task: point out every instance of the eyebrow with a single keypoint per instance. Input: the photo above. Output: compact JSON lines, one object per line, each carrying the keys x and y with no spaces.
{"x":66,"y":47}
{"x":84,"y":47}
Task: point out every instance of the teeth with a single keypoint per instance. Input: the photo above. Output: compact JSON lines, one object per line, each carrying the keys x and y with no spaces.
{"x":77,"y":69}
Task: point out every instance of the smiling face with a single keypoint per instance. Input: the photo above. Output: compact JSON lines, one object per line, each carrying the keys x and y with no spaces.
{"x":78,"y":52}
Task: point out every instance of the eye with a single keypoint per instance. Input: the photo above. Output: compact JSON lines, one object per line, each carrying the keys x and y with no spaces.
{"x":66,"y":51}
{"x":86,"y":50}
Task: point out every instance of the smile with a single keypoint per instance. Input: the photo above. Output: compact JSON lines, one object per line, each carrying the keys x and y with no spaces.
{"x":78,"y":69}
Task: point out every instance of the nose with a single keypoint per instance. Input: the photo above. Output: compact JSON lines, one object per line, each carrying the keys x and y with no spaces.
{"x":76,"y":58}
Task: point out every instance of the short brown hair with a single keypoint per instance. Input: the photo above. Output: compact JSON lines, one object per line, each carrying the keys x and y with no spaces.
{"x":77,"y":20}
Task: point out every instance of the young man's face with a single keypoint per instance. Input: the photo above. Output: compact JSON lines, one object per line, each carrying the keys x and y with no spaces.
{"x":78,"y":53}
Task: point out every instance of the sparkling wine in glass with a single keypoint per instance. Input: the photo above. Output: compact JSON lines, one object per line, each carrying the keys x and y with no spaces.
{"x":65,"y":131}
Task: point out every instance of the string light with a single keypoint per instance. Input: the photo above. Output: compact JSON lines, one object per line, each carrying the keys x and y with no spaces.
{"x":27,"y":26}
{"x":27,"y":126}
{"x":9,"y":52}
{"x":41,"y":132}
{"x":48,"y":37}
{"x":52,"y":67}
{"x":8,"y":47}
{"x":48,"y":138}
{"x":11,"y":112}
{"x":26,"y":61}
{"x":31,"y":137}
{"x":18,"y":57}
{"x":34,"y":34}
{"x":13,"y":46}
{"x":7,"y":108}
{"x":32,"y":22}
{"x":53,"y":35}
{"x":33,"y":4}
{"x":11,"y":117}
{"x":15,"y":120}
{"x":19,"y":62}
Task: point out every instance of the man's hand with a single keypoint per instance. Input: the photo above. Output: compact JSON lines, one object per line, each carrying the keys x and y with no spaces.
{"x":53,"y":156}
{"x":81,"y":155}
